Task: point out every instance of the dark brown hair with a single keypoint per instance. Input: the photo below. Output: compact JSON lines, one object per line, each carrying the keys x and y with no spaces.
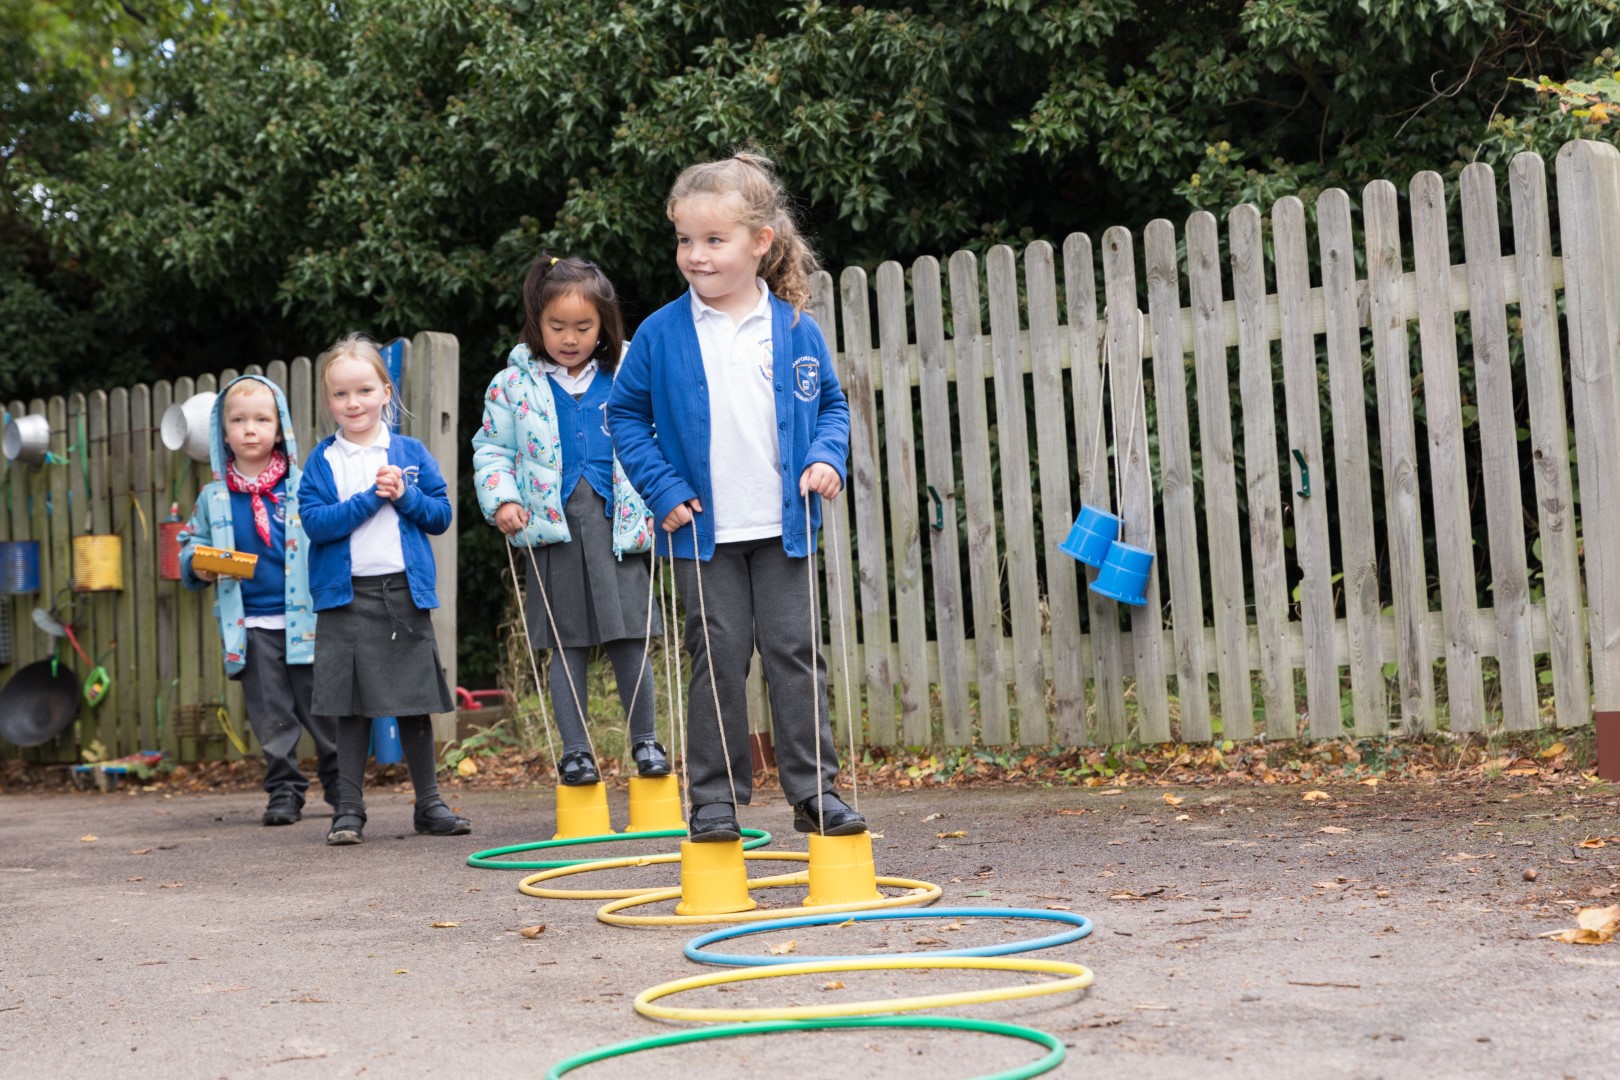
{"x":747,"y":181}
{"x":551,"y":278}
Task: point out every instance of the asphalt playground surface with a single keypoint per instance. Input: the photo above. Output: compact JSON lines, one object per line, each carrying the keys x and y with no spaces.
{"x":1244,"y":932}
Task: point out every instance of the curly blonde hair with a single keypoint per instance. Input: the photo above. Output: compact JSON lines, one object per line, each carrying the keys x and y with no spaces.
{"x":747,"y":180}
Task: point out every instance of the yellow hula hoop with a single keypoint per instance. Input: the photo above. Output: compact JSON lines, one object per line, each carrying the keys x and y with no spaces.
{"x":1079,"y":978}
{"x":922,"y":892}
{"x":530,"y":886}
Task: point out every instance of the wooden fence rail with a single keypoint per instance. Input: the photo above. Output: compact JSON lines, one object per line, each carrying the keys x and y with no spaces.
{"x":1279,"y":603}
{"x":112,"y":474}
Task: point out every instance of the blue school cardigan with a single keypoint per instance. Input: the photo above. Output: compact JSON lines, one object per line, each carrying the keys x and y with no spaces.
{"x":659,"y":416}
{"x":423,"y":510}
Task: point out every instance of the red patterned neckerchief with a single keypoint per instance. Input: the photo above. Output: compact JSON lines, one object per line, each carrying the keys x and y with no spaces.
{"x":260,"y":488}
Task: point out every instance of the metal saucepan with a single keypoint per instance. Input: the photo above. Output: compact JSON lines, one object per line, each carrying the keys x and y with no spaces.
{"x":38,"y":703}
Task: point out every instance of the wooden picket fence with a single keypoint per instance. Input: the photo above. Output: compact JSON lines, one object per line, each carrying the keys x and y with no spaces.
{"x":160,"y":642}
{"x":1245,"y":632}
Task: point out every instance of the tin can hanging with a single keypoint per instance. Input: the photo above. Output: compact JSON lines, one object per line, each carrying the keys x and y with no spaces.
{"x":169,"y":545}
{"x":19,"y":567}
{"x":98,"y":563}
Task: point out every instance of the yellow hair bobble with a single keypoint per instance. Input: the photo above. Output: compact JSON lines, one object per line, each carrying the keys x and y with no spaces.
{"x":554,"y":260}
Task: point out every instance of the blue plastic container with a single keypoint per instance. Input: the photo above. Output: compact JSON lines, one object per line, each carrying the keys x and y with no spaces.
{"x":385,"y":745}
{"x":1093,"y":531}
{"x":1124,"y":574}
{"x":19,"y":567}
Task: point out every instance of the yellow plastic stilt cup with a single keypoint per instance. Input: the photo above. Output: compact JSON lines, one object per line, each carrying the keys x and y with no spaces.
{"x":841,"y":870}
{"x":582,"y":811}
{"x":655,"y":803}
{"x":714,"y":879}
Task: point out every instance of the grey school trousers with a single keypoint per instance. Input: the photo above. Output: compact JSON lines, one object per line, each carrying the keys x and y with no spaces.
{"x":277,"y":696}
{"x":753,"y":594}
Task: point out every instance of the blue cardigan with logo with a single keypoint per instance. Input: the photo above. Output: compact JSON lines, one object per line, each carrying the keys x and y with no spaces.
{"x":659,"y":415}
{"x":423,"y":510}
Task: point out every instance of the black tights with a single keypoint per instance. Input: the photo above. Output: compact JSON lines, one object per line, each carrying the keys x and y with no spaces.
{"x":353,"y":744}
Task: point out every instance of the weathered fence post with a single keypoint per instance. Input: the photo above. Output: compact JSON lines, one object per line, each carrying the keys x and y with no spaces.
{"x":1589,"y":224}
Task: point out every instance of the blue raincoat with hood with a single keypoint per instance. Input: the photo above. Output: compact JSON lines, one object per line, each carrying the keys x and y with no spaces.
{"x":211,"y":525}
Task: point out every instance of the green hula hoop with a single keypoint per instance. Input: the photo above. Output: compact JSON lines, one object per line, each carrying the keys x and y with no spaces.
{"x":490,"y":859}
{"x":1052,"y":1043}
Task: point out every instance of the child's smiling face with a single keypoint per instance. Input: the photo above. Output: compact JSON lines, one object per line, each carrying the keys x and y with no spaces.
{"x":356,"y":396}
{"x":718,"y":254}
{"x":252,"y":426}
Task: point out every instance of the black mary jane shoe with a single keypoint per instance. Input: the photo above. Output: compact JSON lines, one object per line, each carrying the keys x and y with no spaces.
{"x":436,"y":819}
{"x":284,"y":808}
{"x":714,"y":823}
{"x":827,"y":815}
{"x":650,"y":758}
{"x":348,"y":827}
{"x":578,"y":768}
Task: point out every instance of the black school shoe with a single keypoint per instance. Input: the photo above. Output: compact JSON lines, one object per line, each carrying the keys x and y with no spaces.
{"x":437,"y":819}
{"x":651,"y":760}
{"x":827,"y":815}
{"x":713,"y":823}
{"x":577,"y":769}
{"x":284,"y":808}
{"x":348,"y":827}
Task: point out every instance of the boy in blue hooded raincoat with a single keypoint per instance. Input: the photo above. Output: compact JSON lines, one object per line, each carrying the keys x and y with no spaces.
{"x":266,"y":622}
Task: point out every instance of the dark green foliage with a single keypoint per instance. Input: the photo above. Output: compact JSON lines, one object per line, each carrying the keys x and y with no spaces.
{"x":299,"y":168}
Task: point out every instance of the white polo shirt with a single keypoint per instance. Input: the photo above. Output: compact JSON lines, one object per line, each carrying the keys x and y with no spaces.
{"x":374,"y":547}
{"x":744,"y":453}
{"x":574,"y":384}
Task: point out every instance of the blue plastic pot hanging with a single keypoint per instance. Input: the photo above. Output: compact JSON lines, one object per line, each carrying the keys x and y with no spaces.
{"x":1124,"y":574}
{"x":1093,"y":531}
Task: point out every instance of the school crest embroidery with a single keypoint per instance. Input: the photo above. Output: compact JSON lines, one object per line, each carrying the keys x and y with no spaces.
{"x":807,"y":378}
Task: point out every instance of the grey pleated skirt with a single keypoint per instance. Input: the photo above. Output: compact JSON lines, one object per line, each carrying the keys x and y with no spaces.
{"x":377,"y":655}
{"x":594,"y":597}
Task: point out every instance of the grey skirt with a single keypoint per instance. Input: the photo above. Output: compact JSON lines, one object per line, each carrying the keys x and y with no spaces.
{"x":594,"y":597}
{"x":377,"y":655}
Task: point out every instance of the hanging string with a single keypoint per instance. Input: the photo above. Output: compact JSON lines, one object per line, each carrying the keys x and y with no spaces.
{"x":557,"y":648}
{"x":835,"y":585}
{"x":815,"y":661}
{"x":528,"y":648}
{"x":708,"y":652}
{"x":1102,"y":387}
{"x":672,"y":651}
{"x":646,"y":649}
{"x":1130,"y":438}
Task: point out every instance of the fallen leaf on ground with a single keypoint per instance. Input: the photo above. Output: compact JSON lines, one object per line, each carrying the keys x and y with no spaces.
{"x":1553,"y":751}
{"x":1463,"y":856}
{"x":952,"y":926}
{"x":1593,"y":926}
{"x":134,"y":879}
{"x":1071,"y":813}
{"x":785,"y":947}
{"x":1057,"y":907}
{"x":533,"y":931}
{"x":467,"y":767}
{"x":932,"y":817}
{"x":444,"y":925}
{"x":402,"y":971}
{"x":173,"y":885}
{"x":928,"y":941}
{"x":1594,"y":842}
{"x":88,"y":838}
{"x":1173,"y":800}
{"x":1316,"y":796}
{"x":1183,"y":817}
{"x":1530,"y":771}
{"x":1324,"y":885}
{"x":1111,"y":791}
{"x":832,"y":986}
{"x":142,"y":851}
{"x":1334,"y":829}
{"x":1371,"y":781}
{"x":955,"y":834}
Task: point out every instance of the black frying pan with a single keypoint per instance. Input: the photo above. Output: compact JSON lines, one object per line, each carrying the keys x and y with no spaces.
{"x":36,"y":706}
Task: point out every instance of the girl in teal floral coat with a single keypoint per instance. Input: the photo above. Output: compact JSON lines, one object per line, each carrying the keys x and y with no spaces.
{"x":547,"y":478}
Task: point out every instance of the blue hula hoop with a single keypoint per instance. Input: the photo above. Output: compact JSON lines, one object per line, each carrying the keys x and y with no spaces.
{"x":1079,"y":927}
{"x":490,"y":858}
